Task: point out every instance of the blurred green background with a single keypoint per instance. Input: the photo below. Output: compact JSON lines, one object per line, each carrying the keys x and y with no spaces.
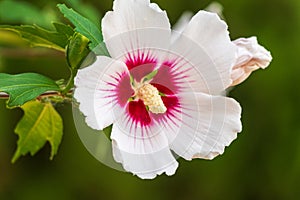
{"x":263,"y":163}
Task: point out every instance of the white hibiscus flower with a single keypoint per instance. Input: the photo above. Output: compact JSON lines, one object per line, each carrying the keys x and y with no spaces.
{"x":161,"y":94}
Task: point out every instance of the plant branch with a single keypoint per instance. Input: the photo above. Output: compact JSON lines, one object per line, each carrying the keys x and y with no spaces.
{"x":46,"y":94}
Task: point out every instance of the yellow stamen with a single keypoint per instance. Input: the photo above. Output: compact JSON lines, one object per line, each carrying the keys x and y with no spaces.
{"x":151,"y":98}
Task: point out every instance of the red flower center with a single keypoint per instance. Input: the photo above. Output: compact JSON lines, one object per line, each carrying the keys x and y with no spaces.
{"x":164,"y":81}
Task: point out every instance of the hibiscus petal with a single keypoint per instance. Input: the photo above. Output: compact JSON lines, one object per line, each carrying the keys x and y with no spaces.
{"x":206,"y":125}
{"x":98,"y":91}
{"x":205,"y":46}
{"x":142,"y":150}
{"x":250,"y":57}
{"x":134,"y":27}
{"x":180,"y":25}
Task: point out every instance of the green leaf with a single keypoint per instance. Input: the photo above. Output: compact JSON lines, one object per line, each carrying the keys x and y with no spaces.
{"x":83,"y":25}
{"x":40,"y":123}
{"x":25,"y":87}
{"x":39,"y":37}
{"x":63,"y":29}
{"x":77,"y":51}
{"x":87,"y":10}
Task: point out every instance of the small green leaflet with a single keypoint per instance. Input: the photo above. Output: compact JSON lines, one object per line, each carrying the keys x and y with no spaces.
{"x":40,"y":123}
{"x":25,"y":87}
{"x":82,"y":25}
{"x":39,"y":37}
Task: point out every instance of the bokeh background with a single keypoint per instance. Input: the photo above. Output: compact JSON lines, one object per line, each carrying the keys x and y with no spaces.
{"x":263,"y":163}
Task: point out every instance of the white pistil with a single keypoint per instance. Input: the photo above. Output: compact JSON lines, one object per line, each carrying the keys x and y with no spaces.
{"x":151,"y":98}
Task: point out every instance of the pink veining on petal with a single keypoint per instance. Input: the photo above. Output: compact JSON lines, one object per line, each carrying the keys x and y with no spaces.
{"x":140,"y":64}
{"x":170,"y":77}
{"x":139,"y":59}
{"x":122,"y":91}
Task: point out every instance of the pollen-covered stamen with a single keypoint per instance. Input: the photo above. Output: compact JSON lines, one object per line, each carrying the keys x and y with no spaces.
{"x":151,"y":98}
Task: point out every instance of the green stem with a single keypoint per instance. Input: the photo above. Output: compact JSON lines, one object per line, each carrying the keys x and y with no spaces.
{"x":70,"y":83}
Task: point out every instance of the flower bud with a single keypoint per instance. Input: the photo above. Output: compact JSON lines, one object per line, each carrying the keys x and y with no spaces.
{"x":77,"y":51}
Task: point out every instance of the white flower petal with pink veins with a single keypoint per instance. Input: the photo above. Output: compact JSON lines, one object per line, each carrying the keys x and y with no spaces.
{"x":250,"y":56}
{"x":136,"y":28}
{"x":97,"y":91}
{"x":206,"y":48}
{"x":203,"y":125}
{"x":142,"y":149}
